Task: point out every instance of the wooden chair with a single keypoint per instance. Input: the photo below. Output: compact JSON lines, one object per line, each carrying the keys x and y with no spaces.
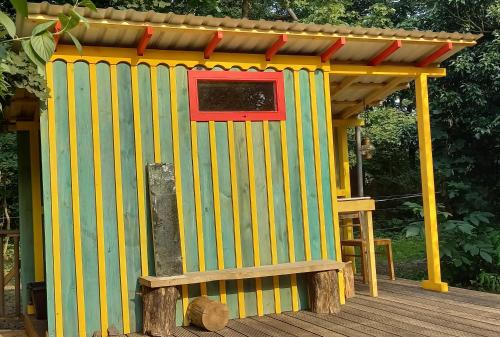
{"x":362,"y":245}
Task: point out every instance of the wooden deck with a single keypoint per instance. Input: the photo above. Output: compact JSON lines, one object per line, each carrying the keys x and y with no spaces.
{"x":402,"y":309}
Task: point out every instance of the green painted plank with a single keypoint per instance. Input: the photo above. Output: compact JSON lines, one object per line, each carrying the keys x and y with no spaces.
{"x":226,"y":208}
{"x":145,"y":93}
{"x":293,"y":165}
{"x":207,"y":205}
{"x":165,"y":117}
{"x":47,"y":222}
{"x":26,"y":249}
{"x":280,"y":210}
{"x":129,"y":186}
{"x":309,"y":160}
{"x":262,"y":212}
{"x":88,"y":220}
{"x":244,"y":213}
{"x":336,"y":154}
{"x":325,"y":168}
{"x":109,"y":197}
{"x":65,"y":201}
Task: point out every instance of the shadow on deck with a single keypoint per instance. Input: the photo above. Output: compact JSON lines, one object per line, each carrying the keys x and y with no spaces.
{"x":402,"y":309}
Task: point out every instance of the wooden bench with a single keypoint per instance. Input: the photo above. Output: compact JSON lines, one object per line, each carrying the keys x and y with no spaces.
{"x":160,"y":292}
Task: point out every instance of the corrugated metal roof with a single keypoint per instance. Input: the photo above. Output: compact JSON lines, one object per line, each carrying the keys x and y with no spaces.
{"x":124,"y":28}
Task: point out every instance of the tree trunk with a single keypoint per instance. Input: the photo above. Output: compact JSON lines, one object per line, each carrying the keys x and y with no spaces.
{"x":349,"y":280}
{"x":324,"y":292}
{"x":159,"y":311}
{"x":245,"y":8}
{"x":208,"y":314}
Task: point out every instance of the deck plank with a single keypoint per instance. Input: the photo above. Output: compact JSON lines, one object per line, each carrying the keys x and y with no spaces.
{"x":403,"y":309}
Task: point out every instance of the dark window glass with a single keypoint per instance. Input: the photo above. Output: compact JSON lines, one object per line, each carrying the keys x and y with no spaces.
{"x":236,"y":96}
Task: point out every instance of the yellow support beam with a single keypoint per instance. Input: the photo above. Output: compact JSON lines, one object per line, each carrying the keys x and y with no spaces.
{"x":429,"y":199}
{"x":351,"y":122}
{"x":393,"y":71}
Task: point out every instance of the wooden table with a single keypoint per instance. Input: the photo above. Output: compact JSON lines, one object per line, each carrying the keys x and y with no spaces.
{"x":365,"y":206}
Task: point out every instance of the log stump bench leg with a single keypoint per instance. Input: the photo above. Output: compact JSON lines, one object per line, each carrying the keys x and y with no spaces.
{"x":159,"y":311}
{"x":323,"y":288}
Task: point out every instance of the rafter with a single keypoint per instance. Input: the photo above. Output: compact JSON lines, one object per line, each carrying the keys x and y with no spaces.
{"x":385,"y":53}
{"x":328,"y":53}
{"x":210,"y":48}
{"x":435,"y":55}
{"x":346,"y":82}
{"x":280,"y":42}
{"x":143,"y":42}
{"x":57,"y":29}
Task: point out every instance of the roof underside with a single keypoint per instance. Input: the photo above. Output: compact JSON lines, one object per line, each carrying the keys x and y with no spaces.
{"x":124,"y":28}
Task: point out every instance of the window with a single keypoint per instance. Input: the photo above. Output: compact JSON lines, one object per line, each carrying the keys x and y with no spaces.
{"x":236,"y":96}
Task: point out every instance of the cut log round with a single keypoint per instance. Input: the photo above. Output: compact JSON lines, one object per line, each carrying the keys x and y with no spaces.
{"x":159,"y":311}
{"x":349,"y":280}
{"x":324,"y":292}
{"x":208,"y":314}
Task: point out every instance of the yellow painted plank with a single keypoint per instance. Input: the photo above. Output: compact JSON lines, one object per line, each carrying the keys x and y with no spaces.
{"x":197,"y":201}
{"x":178,"y":184}
{"x":288,"y":209}
{"x":333,"y":186}
{"x":56,"y":245}
{"x":270,"y":207}
{"x":75,"y":195}
{"x":98,"y":202}
{"x":236,"y":216}
{"x":218,"y":224}
{"x":156,"y":114}
{"x":36,"y":204}
{"x":302,"y":173}
{"x":317,"y":165}
{"x":253,"y":211}
{"x":141,"y":202}
{"x":119,"y":199}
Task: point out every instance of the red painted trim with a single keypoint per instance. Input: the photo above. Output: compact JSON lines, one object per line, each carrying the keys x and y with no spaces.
{"x":57,"y":28}
{"x":435,"y":55}
{"x":385,"y":53}
{"x":243,"y":76}
{"x":327,"y":54}
{"x":209,"y":50}
{"x":143,"y":43}
{"x":282,"y":39}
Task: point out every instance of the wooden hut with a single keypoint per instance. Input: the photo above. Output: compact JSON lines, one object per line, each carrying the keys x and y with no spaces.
{"x":253,"y":116}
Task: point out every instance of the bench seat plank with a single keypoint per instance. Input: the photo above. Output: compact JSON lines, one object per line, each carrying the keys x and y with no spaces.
{"x":241,"y":273}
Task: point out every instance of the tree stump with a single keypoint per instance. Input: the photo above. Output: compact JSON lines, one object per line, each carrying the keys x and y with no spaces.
{"x":208,"y":314}
{"x":159,"y":311}
{"x":349,"y":280}
{"x":323,"y":290}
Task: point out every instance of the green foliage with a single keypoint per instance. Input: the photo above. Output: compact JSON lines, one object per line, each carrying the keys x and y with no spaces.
{"x":487,"y":282}
{"x":8,"y":175}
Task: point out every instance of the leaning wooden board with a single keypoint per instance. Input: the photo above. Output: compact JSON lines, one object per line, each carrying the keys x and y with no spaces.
{"x":241,"y":273}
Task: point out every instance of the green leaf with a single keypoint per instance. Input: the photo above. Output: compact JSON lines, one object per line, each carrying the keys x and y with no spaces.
{"x":9,"y":25}
{"x":487,"y":257}
{"x":76,"y":15}
{"x":89,"y":4}
{"x":43,"y":27}
{"x":466,"y":228}
{"x":43,"y":45}
{"x":68,"y":22}
{"x":412,"y":231}
{"x":28,"y":49}
{"x":21,"y":7}
{"x":76,"y":42}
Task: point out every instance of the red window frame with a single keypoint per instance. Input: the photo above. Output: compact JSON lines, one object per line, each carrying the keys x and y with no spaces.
{"x":243,"y":76}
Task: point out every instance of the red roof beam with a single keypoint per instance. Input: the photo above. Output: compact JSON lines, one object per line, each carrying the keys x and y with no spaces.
{"x":57,"y":29}
{"x":143,"y":43}
{"x":435,"y":55}
{"x":282,"y":39}
{"x":385,"y":53}
{"x":210,"y":48}
{"x":327,"y":54}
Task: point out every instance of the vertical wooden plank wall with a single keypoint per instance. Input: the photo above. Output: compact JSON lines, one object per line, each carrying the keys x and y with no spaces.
{"x":249,"y":193}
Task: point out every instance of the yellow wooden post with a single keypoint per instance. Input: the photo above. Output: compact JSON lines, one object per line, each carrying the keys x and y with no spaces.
{"x":427,"y":176}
